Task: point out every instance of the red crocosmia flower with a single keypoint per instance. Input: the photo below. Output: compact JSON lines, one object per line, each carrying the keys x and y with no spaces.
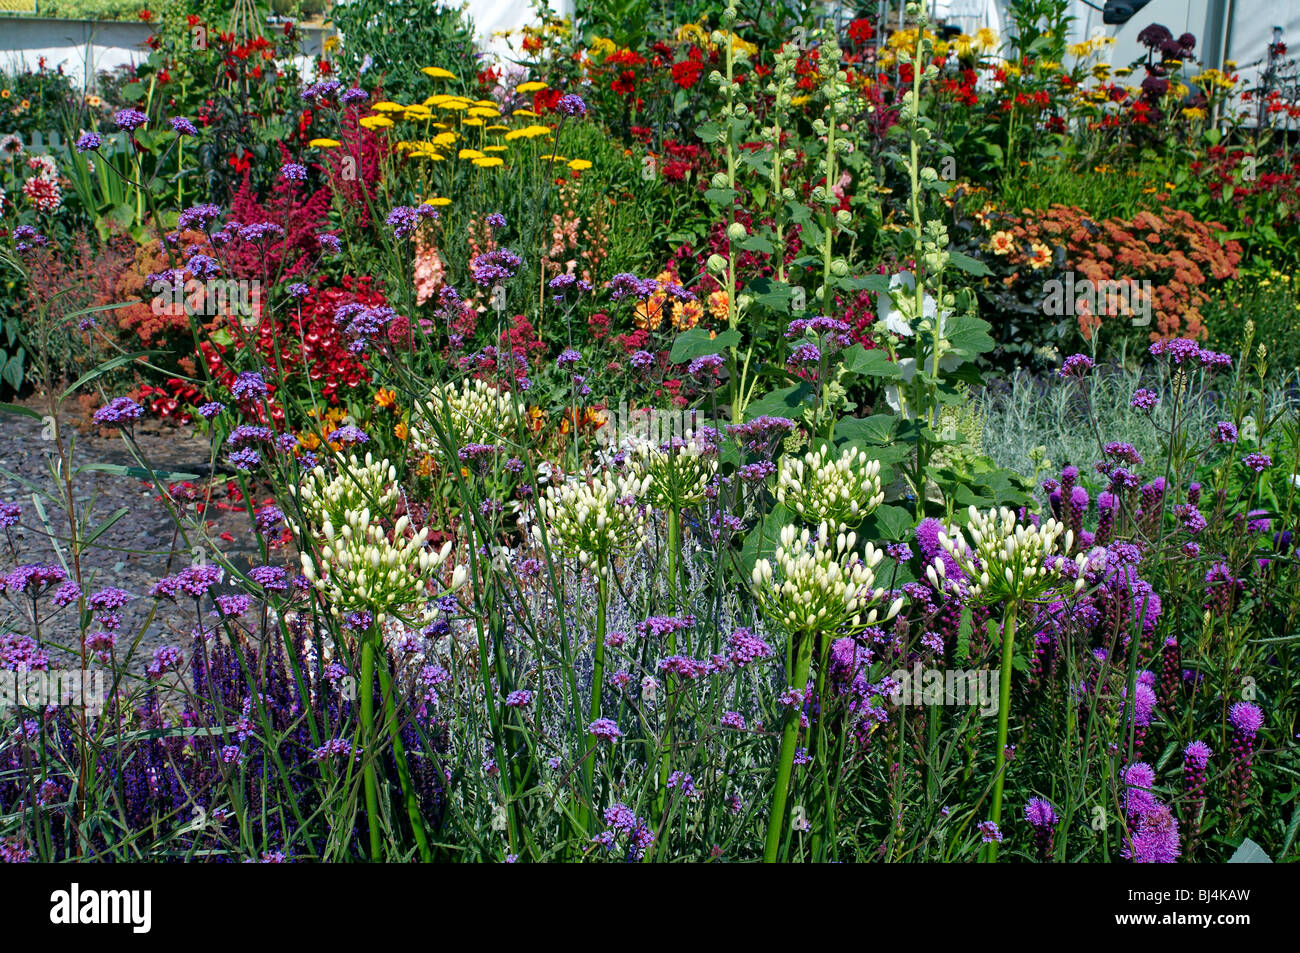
{"x":193,"y":19}
{"x":146,"y":15}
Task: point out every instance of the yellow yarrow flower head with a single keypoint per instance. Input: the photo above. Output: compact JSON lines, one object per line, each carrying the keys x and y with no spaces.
{"x":437,"y":72}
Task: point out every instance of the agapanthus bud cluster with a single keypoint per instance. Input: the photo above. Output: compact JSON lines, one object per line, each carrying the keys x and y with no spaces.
{"x":839,"y":491}
{"x":597,"y":520}
{"x":680,"y":471}
{"x":818,"y":583}
{"x":470,"y":411}
{"x":1009,"y":559}
{"x":358,"y":564}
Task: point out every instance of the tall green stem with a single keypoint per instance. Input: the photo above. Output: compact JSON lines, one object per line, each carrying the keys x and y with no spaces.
{"x":789,"y":738}
{"x":597,"y":684}
{"x":403,"y":769}
{"x":1004,"y":715}
{"x":665,"y":761}
{"x":368,"y":732}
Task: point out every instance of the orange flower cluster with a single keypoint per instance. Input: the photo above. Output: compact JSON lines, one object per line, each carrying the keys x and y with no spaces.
{"x":1172,"y":250}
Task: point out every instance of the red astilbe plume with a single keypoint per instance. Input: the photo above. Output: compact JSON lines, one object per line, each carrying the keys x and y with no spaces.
{"x":301,"y":216}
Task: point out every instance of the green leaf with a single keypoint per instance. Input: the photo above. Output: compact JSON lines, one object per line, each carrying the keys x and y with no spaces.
{"x":782,"y":402}
{"x":972,"y":266}
{"x":771,"y":294}
{"x":878,"y":284}
{"x":887,"y":522}
{"x":20,"y":409}
{"x":762,"y":540}
{"x":968,"y":335}
{"x":696,"y":342}
{"x":1248,"y":852}
{"x":964,"y":630}
{"x":866,"y":431}
{"x":104,"y":368}
{"x":105,"y":526}
{"x":721,"y":196}
{"x":873,"y":362}
{"x":138,"y":473}
{"x":13,"y":370}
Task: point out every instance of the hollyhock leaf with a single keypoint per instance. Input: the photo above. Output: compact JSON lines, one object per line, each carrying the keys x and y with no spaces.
{"x":968,"y":336}
{"x":782,"y":402}
{"x":876,"y":429}
{"x":771,"y":294}
{"x":872,"y":362}
{"x":878,"y":284}
{"x":696,"y":342}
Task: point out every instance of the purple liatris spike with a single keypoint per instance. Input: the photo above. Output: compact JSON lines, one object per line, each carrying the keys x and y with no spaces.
{"x":1246,"y":719}
{"x":1196,"y":758}
{"x":1042,"y":818}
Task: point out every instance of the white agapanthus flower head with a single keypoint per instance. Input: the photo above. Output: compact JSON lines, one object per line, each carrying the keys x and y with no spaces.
{"x":470,"y":411}
{"x":817,"y":582}
{"x":595,"y":521}
{"x":680,"y":470}
{"x":348,"y":552}
{"x":825,"y":487}
{"x":1005,"y":559}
